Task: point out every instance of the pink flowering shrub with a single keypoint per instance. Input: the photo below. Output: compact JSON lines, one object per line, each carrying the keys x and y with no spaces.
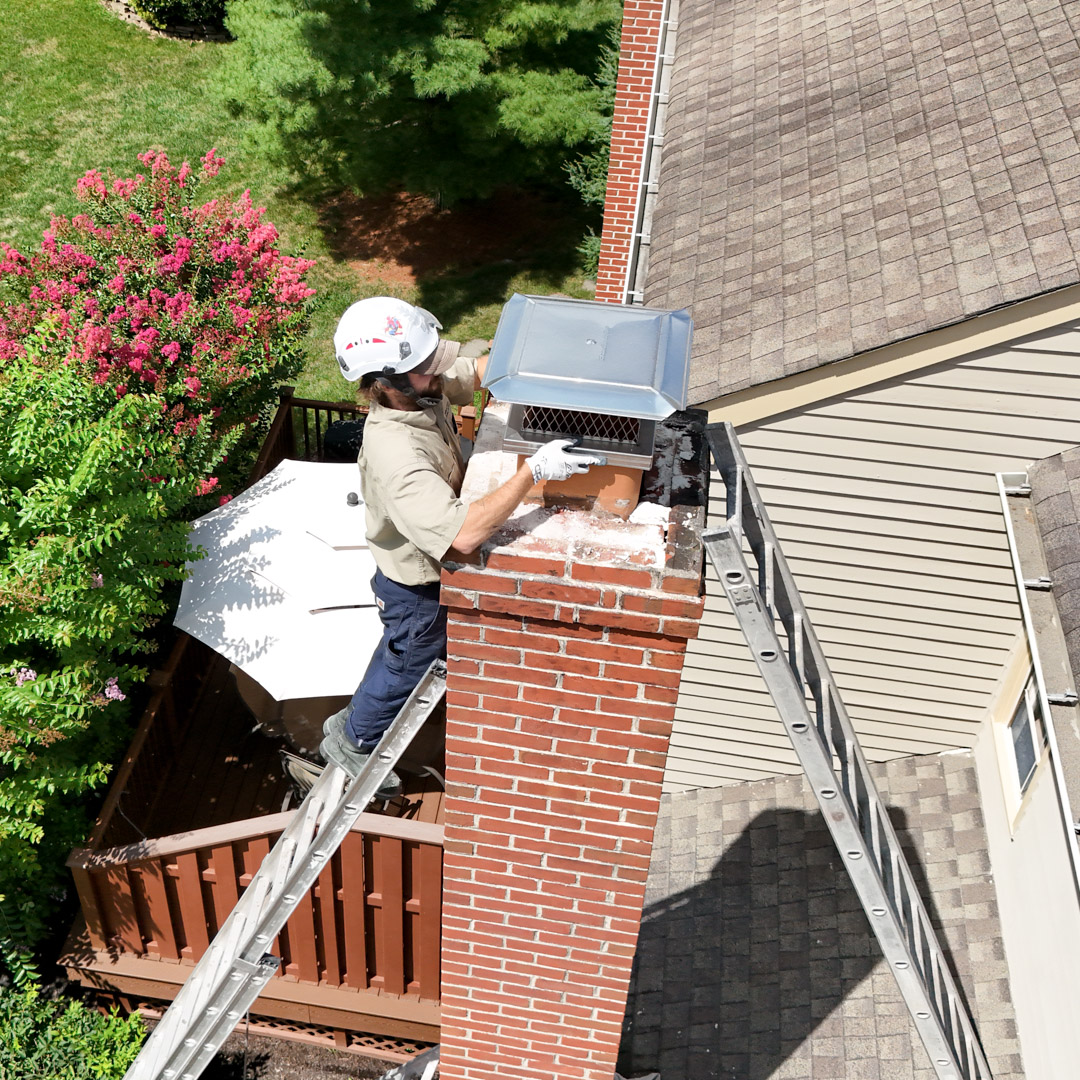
{"x":140,"y":352}
{"x":152,"y":291}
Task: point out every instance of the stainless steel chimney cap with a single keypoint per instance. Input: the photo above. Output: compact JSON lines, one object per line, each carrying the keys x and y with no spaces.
{"x":591,"y":356}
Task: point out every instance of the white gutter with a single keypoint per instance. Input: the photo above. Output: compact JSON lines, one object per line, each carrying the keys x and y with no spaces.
{"x":648,"y":178}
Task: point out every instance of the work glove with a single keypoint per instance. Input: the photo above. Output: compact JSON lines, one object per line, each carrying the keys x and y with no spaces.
{"x":554,"y":461}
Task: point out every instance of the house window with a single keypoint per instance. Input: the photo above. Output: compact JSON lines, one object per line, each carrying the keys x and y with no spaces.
{"x":1028,"y":734}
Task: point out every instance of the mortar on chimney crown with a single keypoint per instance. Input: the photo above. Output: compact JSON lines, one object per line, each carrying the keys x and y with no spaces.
{"x":659,"y":536}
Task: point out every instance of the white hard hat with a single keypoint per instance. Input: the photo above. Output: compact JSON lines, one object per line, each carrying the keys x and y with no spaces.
{"x":384,"y":332}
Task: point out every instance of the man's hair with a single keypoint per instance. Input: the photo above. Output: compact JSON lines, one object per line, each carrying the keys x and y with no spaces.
{"x":373,"y":385}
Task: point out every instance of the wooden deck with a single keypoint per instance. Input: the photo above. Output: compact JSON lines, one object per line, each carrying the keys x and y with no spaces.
{"x":200,"y":798}
{"x":226,"y":768}
{"x":168,"y":860}
{"x":229,"y":768}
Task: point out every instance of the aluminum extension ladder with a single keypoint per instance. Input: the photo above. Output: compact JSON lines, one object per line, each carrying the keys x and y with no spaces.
{"x":228,"y":978}
{"x":763,"y":594}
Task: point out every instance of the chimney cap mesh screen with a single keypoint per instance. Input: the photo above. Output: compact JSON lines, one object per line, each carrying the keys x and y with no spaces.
{"x":625,"y":441}
{"x":538,"y":420}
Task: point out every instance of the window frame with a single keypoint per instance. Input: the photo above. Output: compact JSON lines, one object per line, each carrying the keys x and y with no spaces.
{"x":1029,"y":706}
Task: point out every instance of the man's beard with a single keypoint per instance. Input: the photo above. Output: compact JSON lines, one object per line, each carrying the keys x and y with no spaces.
{"x":432,"y":397}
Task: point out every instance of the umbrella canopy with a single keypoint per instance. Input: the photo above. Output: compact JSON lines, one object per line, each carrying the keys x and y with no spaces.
{"x":283,"y":590}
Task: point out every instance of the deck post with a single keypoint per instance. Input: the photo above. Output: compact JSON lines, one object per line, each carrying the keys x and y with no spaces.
{"x":88,"y":901}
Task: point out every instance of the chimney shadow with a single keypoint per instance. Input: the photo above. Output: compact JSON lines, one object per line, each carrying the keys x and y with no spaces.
{"x":734,"y":972}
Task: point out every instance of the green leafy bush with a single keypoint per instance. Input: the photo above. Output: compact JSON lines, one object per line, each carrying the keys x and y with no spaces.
{"x":139,"y":353}
{"x":47,"y":1039}
{"x":165,"y":13}
{"x":449,"y":100}
{"x":587,"y":173}
{"x":93,"y":490}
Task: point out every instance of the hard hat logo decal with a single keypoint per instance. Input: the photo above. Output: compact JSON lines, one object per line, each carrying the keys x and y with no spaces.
{"x":393,"y":326}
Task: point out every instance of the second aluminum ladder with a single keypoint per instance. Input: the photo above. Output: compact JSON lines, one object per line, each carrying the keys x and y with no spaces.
{"x":766,"y":602}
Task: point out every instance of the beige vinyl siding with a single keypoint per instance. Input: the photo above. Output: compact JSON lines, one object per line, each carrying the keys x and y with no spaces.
{"x":885,"y":503}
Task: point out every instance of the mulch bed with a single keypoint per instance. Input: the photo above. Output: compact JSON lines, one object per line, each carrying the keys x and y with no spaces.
{"x":283,"y":1059}
{"x":197,"y":31}
{"x":399,"y":238}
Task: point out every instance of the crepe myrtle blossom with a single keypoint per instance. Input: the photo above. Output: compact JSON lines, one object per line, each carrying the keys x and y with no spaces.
{"x":211,"y":163}
{"x":153,"y":290}
{"x":112,"y":689}
{"x":25,"y":675}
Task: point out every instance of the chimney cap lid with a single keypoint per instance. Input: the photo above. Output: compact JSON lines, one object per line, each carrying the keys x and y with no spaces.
{"x":591,"y":356}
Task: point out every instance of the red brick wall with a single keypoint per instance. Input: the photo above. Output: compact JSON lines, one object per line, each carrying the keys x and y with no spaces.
{"x":564,"y":666}
{"x":637,"y":63}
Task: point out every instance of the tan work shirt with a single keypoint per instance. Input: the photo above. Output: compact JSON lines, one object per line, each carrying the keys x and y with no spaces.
{"x":410,"y":474}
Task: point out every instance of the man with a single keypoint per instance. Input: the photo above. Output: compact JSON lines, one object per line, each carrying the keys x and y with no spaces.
{"x":411,"y":470}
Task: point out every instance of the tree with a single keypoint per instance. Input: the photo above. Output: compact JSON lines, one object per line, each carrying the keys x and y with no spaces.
{"x":587,"y":173}
{"x":451,"y":99}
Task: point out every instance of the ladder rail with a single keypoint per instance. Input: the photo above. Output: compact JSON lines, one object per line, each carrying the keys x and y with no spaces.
{"x":237,"y":965}
{"x":762,"y":594}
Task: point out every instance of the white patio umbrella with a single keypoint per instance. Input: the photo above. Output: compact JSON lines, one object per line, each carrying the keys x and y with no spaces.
{"x":284,"y":588}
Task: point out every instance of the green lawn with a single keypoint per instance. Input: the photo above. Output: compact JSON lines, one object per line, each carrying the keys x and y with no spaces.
{"x":81,"y":89}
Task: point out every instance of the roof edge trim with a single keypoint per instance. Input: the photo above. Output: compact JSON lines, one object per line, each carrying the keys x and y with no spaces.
{"x":971,"y":335}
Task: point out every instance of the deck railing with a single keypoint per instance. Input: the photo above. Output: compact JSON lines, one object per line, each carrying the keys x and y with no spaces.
{"x":298,"y":430}
{"x":310,"y":419}
{"x":371,"y":922}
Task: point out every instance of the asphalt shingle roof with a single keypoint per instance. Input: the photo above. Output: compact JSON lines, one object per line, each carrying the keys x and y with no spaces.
{"x":1055,"y":495}
{"x":841,"y":174}
{"x":756,"y":961}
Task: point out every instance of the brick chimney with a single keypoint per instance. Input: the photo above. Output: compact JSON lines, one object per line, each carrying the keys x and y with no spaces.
{"x":566,"y":643}
{"x":629,"y":128}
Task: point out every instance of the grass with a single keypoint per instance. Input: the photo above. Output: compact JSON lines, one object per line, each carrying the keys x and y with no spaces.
{"x":81,"y":89}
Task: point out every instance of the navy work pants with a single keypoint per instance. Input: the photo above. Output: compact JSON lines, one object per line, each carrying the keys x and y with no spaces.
{"x":414,"y":634}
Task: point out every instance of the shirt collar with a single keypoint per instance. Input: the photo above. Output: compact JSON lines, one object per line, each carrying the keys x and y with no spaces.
{"x":421,"y":418}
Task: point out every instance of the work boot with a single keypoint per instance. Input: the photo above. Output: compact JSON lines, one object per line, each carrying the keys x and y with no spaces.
{"x":338,"y":749}
{"x":336,"y":723}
